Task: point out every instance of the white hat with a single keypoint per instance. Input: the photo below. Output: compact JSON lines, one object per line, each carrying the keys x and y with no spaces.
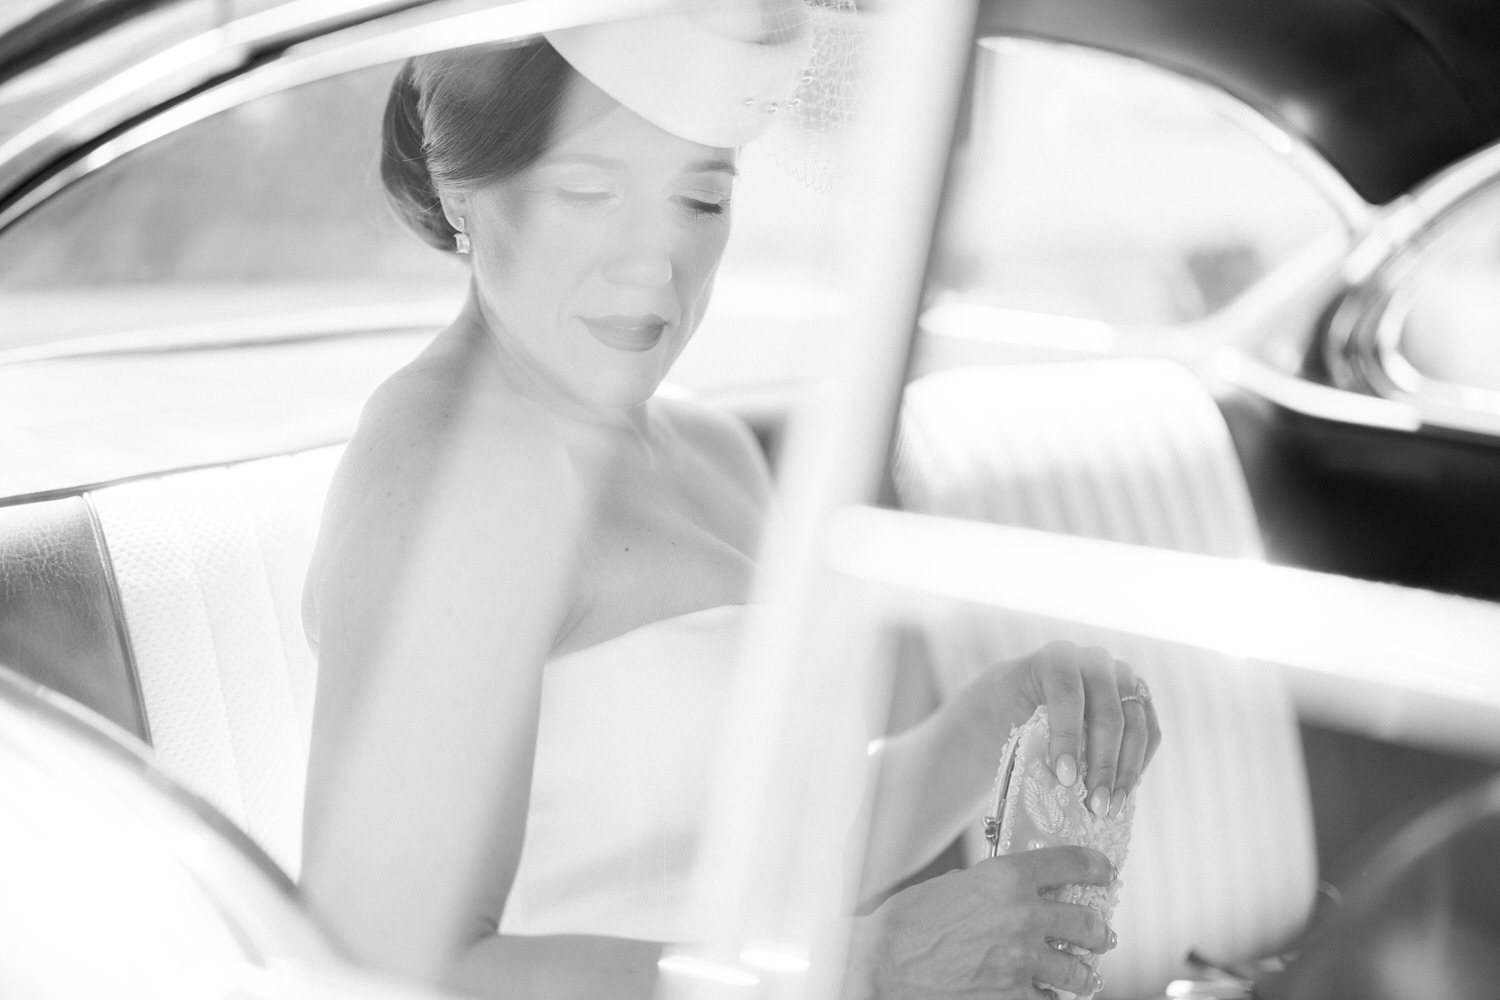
{"x":717,"y":74}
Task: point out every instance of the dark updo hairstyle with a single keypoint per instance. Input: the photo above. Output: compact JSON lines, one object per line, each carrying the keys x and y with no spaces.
{"x":464,"y":118}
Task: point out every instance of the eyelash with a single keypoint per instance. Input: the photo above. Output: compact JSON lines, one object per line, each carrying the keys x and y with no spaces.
{"x":698,"y":207}
{"x":590,"y":199}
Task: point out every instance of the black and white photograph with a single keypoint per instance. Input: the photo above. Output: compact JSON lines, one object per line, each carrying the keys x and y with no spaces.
{"x":750,"y":499}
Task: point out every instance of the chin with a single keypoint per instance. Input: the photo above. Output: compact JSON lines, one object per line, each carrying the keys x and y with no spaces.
{"x":625,"y":392}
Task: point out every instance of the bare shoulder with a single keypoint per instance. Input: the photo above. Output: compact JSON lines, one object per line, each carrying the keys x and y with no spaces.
{"x":720,"y":438}
{"x":442,"y":459}
{"x":440,"y":416}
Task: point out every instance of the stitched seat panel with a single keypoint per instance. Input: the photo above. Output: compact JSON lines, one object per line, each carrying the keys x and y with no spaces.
{"x":1222,"y":856}
{"x":210,"y":567}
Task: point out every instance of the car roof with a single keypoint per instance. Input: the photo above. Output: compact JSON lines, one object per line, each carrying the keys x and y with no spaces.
{"x":35,"y":30}
{"x":1390,"y":91}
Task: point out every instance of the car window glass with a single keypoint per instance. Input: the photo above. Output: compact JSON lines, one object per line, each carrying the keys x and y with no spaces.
{"x":1445,"y":323}
{"x":1097,"y":187}
{"x":272,"y":213}
{"x":271,"y":208}
{"x":268,"y":223}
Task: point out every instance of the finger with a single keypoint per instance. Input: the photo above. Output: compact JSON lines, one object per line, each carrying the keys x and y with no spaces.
{"x":1106,"y":725}
{"x":1065,"y":971}
{"x":1153,"y":732}
{"x":1054,"y":867}
{"x":1153,"y":742}
{"x":1135,"y":707}
{"x":1062,"y":686}
{"x":1078,"y":925}
{"x":1132,"y":757}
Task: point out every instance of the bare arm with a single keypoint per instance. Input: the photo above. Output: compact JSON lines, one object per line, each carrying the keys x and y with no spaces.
{"x":558,"y":967}
{"x":928,"y":779}
{"x":444,"y":576}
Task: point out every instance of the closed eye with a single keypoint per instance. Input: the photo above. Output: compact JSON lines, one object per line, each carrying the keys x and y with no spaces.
{"x":699,"y":206}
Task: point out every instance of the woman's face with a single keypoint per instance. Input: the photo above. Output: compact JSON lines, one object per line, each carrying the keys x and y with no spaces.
{"x":594,"y":266}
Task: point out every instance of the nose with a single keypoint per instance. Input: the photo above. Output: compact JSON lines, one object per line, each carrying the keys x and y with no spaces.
{"x":642,"y":243}
{"x":645,"y":262}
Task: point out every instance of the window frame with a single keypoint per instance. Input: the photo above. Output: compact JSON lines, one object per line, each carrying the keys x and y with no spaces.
{"x":1362,"y":341}
{"x":254,"y":56}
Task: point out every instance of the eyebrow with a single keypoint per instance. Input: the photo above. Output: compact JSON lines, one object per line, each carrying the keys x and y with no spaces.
{"x":713,"y":166}
{"x":710,"y":165}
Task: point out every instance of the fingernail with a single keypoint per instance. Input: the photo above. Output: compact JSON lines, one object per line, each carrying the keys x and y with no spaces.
{"x":1114,"y":939}
{"x":1099,"y":801}
{"x":1117,"y":802}
{"x":1067,"y":769}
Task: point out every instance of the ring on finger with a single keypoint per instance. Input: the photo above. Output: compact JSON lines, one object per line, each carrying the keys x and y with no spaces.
{"x":1141,"y":695}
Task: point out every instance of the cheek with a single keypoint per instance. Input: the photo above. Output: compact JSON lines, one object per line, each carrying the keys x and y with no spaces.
{"x":702,"y":256}
{"x":562,"y":244}
{"x":700,"y":244}
{"x":507,"y":222}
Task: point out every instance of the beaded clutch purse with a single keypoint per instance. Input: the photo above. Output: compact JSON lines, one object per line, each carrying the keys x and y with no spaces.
{"x":1031,"y":809}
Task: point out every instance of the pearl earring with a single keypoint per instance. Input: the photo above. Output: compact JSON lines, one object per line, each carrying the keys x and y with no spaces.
{"x":460,"y":238}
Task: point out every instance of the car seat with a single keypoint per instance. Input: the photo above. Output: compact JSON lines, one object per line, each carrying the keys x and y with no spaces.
{"x":1222,"y":858}
{"x":171,"y":608}
{"x":207,"y":568}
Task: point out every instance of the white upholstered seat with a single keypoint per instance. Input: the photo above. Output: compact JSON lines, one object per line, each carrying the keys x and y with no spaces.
{"x":209,"y":566}
{"x":1222,"y":859}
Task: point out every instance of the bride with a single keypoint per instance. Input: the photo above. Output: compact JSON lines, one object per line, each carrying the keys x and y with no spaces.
{"x":528,"y":557}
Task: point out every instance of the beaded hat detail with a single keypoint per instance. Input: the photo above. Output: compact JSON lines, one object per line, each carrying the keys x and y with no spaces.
{"x":718,"y":73}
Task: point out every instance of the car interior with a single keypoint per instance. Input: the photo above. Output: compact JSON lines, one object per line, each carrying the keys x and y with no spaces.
{"x":152,"y":560}
{"x":171,"y":606}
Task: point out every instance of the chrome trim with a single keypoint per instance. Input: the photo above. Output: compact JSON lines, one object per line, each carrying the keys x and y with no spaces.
{"x":81,"y":487}
{"x":198,"y":60}
{"x":117,"y":612}
{"x":1361,"y":344}
{"x":286,"y":328}
{"x":1242,"y":344}
{"x":1401,"y":376}
{"x":166,"y":74}
{"x":1446,"y":191}
{"x":1444,"y":403}
{"x":1275,"y":319}
{"x":1291,"y":392}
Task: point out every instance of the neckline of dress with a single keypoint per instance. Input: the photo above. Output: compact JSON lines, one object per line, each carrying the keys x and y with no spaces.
{"x":653,"y":624}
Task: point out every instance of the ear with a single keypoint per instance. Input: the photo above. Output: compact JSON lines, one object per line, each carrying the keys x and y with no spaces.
{"x":455,"y":208}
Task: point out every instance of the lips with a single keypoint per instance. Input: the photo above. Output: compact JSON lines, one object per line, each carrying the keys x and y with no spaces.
{"x":627,"y":333}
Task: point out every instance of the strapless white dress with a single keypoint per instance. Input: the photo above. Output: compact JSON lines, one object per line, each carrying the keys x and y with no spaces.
{"x":625,"y":753}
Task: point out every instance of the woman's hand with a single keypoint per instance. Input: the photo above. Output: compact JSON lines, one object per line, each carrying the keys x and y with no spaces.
{"x":985,"y":932}
{"x":932,"y":774}
{"x":1096,"y":709}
